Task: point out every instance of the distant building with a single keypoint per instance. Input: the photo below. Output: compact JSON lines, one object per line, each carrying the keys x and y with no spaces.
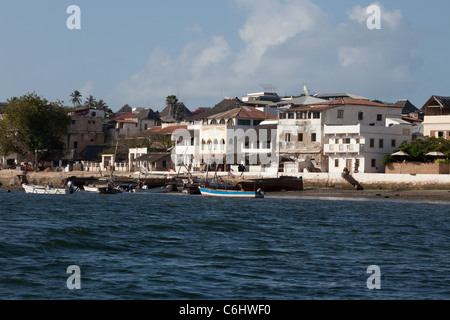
{"x":85,"y":130}
{"x":437,"y":117}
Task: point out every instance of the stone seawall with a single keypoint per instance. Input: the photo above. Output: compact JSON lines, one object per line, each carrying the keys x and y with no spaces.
{"x":12,"y":179}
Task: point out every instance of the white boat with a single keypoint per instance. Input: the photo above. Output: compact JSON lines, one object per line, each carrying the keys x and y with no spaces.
{"x":231,"y":193}
{"x":102,"y":189}
{"x":31,"y":188}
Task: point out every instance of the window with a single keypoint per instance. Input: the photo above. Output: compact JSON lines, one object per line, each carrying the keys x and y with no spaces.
{"x":358,"y":140}
{"x":242,"y":122}
{"x":372,"y":143}
{"x":336,"y":141}
{"x":213,"y":121}
{"x":282,"y":115}
{"x":316,"y":115}
{"x":373,"y":163}
{"x":381,"y":143}
{"x":75,"y":144}
{"x":73,"y":121}
{"x":360,"y":115}
{"x":340,"y":114}
{"x":300,"y":137}
{"x":393,"y":143}
{"x":406,"y":132}
{"x":230,"y":122}
{"x":203,"y":144}
{"x":94,"y":114}
{"x":290,"y":115}
{"x":336,"y":163}
{"x":379,"y":117}
{"x":313,"y":137}
{"x":346,"y":141}
{"x":222,"y":121}
{"x":299,"y":115}
{"x":287,"y":137}
{"x":440,"y":134}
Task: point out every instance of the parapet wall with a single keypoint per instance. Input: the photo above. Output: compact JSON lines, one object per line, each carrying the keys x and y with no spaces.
{"x":417,"y":168}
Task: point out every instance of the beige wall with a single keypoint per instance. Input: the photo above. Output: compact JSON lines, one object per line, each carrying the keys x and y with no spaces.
{"x":417,"y":168}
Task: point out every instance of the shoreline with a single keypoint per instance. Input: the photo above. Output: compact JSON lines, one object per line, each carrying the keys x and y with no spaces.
{"x":10,"y":181}
{"x":442,"y":195}
{"x":419,"y":195}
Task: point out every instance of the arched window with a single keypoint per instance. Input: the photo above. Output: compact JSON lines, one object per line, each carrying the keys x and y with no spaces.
{"x":213,"y":121}
{"x":203,"y":144}
{"x":215,"y":144}
{"x":230,"y":122}
{"x":222,"y":144}
{"x":222,"y":121}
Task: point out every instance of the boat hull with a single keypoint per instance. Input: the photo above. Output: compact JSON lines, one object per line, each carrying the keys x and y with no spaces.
{"x":230,"y":193}
{"x":29,"y":188}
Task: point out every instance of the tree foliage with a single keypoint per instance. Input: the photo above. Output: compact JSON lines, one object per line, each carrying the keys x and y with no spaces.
{"x":418,"y":149}
{"x":172,"y":99}
{"x":32,"y":123}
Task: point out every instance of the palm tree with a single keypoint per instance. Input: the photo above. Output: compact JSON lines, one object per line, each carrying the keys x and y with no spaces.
{"x":76,"y":98}
{"x":101,"y":105}
{"x":90,"y":102}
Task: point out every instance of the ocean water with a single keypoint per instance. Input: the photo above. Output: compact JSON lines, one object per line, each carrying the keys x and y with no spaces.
{"x":175,"y":246}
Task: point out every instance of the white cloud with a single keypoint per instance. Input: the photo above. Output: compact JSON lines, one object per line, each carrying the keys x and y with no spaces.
{"x":271,"y":23}
{"x":285,"y":43}
{"x":216,"y":52}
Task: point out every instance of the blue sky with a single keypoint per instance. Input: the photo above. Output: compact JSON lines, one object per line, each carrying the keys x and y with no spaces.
{"x":138,"y":52}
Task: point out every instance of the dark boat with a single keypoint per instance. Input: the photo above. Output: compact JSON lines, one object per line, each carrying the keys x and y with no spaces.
{"x":283,"y":183}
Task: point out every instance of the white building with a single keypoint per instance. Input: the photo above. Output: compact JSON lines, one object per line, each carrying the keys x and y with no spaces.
{"x":437,"y":117}
{"x":329,"y":136}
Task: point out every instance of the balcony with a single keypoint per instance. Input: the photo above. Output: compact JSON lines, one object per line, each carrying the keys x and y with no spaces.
{"x":352,"y":148}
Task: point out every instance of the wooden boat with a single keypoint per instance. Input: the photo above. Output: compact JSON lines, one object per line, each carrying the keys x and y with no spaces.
{"x":101,"y":189}
{"x":163,"y":189}
{"x":283,"y":183}
{"x":31,"y":188}
{"x":209,"y":192}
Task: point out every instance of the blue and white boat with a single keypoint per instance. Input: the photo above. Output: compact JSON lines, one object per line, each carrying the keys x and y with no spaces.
{"x":209,"y":192}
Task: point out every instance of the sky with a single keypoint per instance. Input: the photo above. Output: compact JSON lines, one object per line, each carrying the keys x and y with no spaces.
{"x":138,"y":52}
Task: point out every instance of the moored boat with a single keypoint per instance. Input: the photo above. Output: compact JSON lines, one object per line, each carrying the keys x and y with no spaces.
{"x":163,"y":189}
{"x":31,"y":188}
{"x":209,"y":192}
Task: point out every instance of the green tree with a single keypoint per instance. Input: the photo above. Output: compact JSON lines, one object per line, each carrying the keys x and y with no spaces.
{"x":76,"y":98}
{"x":90,"y":102}
{"x":32,"y":123}
{"x":172,"y":99}
{"x":418,"y":149}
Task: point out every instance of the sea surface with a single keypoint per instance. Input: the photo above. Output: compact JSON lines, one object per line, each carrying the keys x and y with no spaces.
{"x":175,"y":246}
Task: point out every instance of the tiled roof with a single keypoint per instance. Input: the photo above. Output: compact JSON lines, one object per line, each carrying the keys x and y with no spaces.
{"x":126,"y":116}
{"x":244,"y":113}
{"x":167,"y":130}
